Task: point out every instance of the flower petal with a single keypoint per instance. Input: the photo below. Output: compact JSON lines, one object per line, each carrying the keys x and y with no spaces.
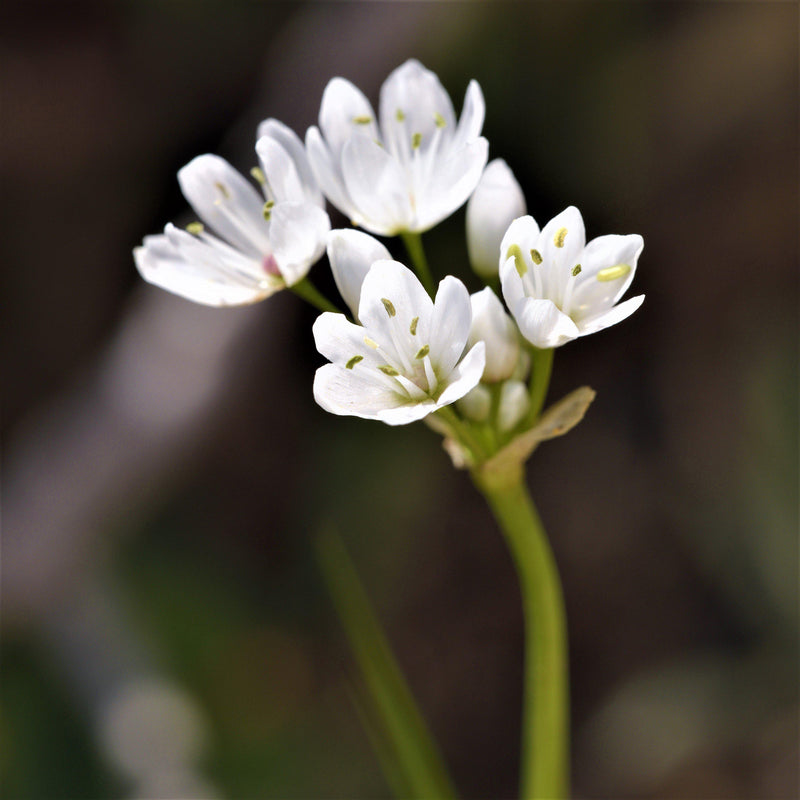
{"x":345,"y":110}
{"x":329,"y":174}
{"x":299,"y":232}
{"x":465,"y":376}
{"x":339,"y":340}
{"x":561,"y":244}
{"x":472,"y":116}
{"x":283,"y":179}
{"x":226,"y":202}
{"x":611,"y":317}
{"x":351,"y":254}
{"x":450,"y":325}
{"x":377,"y":186}
{"x":543,"y":324}
{"x":293,"y":145}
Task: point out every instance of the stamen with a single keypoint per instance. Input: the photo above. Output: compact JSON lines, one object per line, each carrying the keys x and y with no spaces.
{"x":576,"y":270}
{"x":371,"y":343}
{"x":612,"y":273}
{"x":536,"y":256}
{"x":399,"y":115}
{"x":416,"y":141}
{"x":519,"y":260}
{"x":268,"y":209}
{"x":413,"y":328}
{"x":222,"y":189}
{"x":353,"y":361}
{"x":387,"y":304}
{"x":423,"y":351}
{"x":258,"y":174}
{"x":195,"y":228}
{"x":362,"y":120}
{"x":558,"y":239}
{"x":387,"y":370}
{"x":439,"y":119}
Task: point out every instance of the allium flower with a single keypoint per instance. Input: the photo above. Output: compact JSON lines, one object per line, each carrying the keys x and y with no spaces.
{"x":257,"y":247}
{"x":407,"y":358}
{"x":558,"y":287}
{"x":495,"y":203}
{"x":411,"y":168}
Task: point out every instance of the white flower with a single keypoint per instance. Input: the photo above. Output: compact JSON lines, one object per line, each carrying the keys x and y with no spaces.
{"x":558,"y":287}
{"x":407,"y":358}
{"x":495,"y":203}
{"x":256,"y":247}
{"x":411,"y":168}
{"x":351,"y":254}
{"x":491,"y":324}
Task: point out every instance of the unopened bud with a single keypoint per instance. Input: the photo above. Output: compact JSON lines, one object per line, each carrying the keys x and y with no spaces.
{"x":476,"y":404}
{"x":491,"y":324}
{"x":515,"y":402}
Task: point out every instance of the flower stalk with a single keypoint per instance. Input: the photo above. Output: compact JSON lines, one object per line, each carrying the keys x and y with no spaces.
{"x":308,"y":292}
{"x":413,"y":243}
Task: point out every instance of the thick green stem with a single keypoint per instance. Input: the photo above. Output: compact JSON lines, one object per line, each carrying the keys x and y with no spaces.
{"x":413,"y":243}
{"x":311,"y":294}
{"x":545,"y":721}
{"x":541,"y":367}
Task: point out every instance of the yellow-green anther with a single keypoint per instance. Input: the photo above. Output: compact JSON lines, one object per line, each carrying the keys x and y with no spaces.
{"x":387,"y":370}
{"x":519,"y":259}
{"x":387,"y":304}
{"x":612,"y":273}
{"x":363,"y":120}
{"x":558,"y":239}
{"x":195,"y":227}
{"x":353,"y":361}
{"x":399,"y":115}
{"x":268,"y":209}
{"x":576,"y":270}
{"x":371,"y":343}
{"x":258,"y":174}
{"x":222,"y":189}
{"x":423,"y":351}
{"x":413,"y":328}
{"x":536,"y":256}
{"x":439,"y":119}
{"x":416,"y":141}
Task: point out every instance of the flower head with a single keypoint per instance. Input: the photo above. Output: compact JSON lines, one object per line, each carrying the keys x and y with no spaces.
{"x":557,"y":287}
{"x":408,"y":169}
{"x":261,"y":241}
{"x":407,"y":357}
{"x":494,"y":204}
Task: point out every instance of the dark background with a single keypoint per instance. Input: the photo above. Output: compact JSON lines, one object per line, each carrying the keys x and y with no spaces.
{"x":165,"y":631}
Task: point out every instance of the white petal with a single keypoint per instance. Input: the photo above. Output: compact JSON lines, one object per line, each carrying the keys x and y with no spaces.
{"x":452,"y":182}
{"x":491,"y":324}
{"x":592,"y":296}
{"x":420,"y":99}
{"x":282,"y":176}
{"x":329,"y":174}
{"x":472,"y":115}
{"x":205,"y":279}
{"x":377,"y":186}
{"x":523,"y":231}
{"x":512,"y":285}
{"x":465,"y":376}
{"x":339,"y":340}
{"x":226,"y":202}
{"x":514,"y":404}
{"x":542,"y":324}
{"x":450,"y":324}
{"x":351,"y":254}
{"x":402,"y":415}
{"x":561,"y":244}
{"x":350,"y":393}
{"x":344,"y":111}
{"x":293,"y":145}
{"x":299,"y":232}
{"x":611,"y":317}
{"x":495,"y":203}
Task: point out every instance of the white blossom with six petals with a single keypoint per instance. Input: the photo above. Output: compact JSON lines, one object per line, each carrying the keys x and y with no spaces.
{"x":557,"y":286}
{"x":407,"y":357}
{"x":411,"y":168}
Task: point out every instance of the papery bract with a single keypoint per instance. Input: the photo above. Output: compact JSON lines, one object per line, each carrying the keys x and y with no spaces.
{"x":411,"y":168}
{"x":407,"y":357}
{"x":557,"y":286}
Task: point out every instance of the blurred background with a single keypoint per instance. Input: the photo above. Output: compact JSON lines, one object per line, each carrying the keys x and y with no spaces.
{"x":165,"y":630}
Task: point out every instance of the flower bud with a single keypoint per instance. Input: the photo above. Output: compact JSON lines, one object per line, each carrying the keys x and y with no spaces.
{"x":491,"y":324}
{"x":515,"y":403}
{"x":476,"y":404}
{"x":495,"y":203}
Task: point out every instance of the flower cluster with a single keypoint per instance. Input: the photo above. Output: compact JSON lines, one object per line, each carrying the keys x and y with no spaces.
{"x":403,"y":353}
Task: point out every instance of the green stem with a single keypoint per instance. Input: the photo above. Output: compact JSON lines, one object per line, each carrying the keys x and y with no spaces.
{"x":545,"y":722}
{"x":413,"y":243}
{"x":463,"y":432}
{"x":308,"y":292}
{"x":541,"y":367}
